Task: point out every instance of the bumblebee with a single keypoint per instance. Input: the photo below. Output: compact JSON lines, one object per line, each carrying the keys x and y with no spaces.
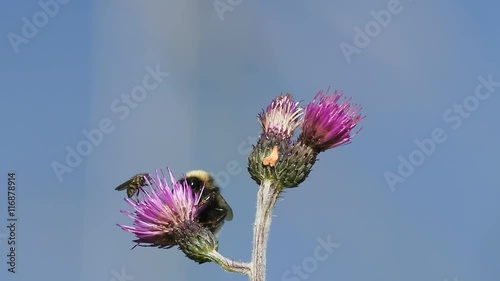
{"x":214,"y":208}
{"x":134,"y":184}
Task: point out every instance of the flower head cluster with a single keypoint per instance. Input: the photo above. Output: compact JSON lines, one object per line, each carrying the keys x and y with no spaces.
{"x":328,"y":121}
{"x":167,"y":216}
{"x":281,"y":117}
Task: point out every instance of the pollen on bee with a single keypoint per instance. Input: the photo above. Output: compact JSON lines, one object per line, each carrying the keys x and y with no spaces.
{"x":272,"y":158}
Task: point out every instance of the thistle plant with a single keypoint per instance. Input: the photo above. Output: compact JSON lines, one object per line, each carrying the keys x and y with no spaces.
{"x":169,"y":215}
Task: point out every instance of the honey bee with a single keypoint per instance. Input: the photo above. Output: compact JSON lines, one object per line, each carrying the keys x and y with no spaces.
{"x":134,"y":184}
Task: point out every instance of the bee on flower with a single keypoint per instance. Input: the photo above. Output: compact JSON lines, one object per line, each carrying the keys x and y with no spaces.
{"x":169,"y":215}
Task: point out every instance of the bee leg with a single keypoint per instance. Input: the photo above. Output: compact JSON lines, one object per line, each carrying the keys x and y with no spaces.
{"x":211,"y":218}
{"x":206,"y":201}
{"x":218,"y":215}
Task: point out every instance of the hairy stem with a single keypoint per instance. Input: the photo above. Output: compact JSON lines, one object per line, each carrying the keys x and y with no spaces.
{"x":230,"y":265}
{"x":266,"y":199}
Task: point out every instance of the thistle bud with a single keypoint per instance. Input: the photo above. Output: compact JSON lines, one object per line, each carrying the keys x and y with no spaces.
{"x":296,"y":164}
{"x":195,"y":241}
{"x":278,"y":122}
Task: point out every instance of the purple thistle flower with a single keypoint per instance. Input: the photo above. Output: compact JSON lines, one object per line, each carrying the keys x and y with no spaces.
{"x":328,"y":121}
{"x":281,"y":117}
{"x":163,"y":213}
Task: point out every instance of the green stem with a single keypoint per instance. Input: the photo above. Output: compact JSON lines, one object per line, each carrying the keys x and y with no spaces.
{"x":230,"y":265}
{"x":266,"y":199}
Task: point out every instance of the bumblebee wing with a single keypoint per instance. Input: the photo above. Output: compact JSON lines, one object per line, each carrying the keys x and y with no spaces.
{"x":229,"y":216}
{"x":222,"y":202}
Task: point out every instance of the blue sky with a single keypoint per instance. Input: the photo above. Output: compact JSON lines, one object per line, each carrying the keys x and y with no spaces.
{"x":74,"y":74}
